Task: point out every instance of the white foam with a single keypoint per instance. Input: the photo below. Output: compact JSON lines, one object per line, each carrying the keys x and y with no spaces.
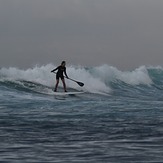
{"x":136,"y":77}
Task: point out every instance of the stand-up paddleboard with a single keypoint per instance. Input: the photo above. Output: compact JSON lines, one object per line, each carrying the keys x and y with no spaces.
{"x":66,"y":93}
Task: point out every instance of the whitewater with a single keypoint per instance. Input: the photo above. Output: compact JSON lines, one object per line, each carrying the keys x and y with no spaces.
{"x":118,"y":118}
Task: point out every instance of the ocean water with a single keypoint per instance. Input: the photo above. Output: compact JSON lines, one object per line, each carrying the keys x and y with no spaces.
{"x":118,"y":118}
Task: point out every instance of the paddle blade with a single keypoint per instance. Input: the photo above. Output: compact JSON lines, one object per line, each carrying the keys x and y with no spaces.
{"x":80,"y":83}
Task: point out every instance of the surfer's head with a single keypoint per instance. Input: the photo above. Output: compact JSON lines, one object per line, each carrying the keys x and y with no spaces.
{"x":63,"y":63}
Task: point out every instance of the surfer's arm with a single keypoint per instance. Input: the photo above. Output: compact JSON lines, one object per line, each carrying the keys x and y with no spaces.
{"x":54,"y":69}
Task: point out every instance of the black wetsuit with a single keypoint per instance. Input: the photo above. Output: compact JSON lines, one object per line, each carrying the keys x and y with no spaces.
{"x":60,"y":71}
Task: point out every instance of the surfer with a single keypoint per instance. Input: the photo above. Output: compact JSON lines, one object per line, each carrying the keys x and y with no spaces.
{"x":61,"y":69}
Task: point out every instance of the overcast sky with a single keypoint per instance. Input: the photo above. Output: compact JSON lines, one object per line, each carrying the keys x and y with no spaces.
{"x":122,"y":33}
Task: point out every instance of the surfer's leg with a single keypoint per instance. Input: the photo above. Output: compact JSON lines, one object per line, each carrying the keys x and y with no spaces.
{"x":56,"y":85}
{"x":64,"y":84}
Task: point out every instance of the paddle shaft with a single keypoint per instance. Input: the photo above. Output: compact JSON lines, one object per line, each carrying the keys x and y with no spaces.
{"x":79,"y":83}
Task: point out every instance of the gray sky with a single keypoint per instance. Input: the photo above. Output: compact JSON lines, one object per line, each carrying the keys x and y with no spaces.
{"x":122,"y":33}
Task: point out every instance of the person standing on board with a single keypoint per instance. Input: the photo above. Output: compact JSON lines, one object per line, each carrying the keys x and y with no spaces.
{"x":61,"y":69}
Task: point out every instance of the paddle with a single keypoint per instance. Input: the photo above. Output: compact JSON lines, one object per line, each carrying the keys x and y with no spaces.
{"x":79,"y":83}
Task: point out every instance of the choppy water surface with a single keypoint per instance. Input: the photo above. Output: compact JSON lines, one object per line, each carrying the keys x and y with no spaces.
{"x":119,"y":118}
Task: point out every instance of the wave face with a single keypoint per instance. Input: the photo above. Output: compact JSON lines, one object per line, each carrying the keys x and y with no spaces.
{"x":102,"y":79}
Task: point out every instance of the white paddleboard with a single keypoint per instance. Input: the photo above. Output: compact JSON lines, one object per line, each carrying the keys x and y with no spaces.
{"x":66,"y":93}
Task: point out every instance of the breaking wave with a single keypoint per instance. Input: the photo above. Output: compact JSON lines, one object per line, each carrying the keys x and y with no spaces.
{"x":100,"y":79}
